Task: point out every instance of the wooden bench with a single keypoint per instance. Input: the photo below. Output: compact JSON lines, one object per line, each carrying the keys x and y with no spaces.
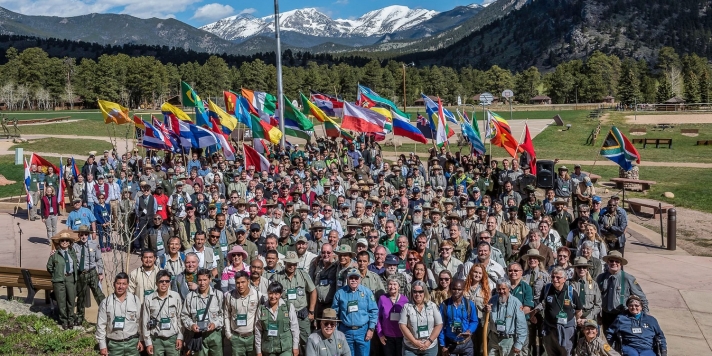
{"x":636,"y":203}
{"x":637,"y":140}
{"x":657,"y":142}
{"x":704,"y":143}
{"x":690,"y":131}
{"x":639,"y":130}
{"x":32,"y":279}
{"x":621,"y":182}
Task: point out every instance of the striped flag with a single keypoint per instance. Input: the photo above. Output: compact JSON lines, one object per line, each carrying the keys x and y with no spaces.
{"x":362,"y":120}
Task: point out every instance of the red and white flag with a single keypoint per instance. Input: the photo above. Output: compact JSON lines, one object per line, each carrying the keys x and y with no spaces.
{"x":254,"y":158}
{"x":528,"y":147}
{"x":362,"y":120}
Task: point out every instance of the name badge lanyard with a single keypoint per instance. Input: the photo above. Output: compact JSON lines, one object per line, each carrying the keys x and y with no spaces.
{"x":562,"y":313}
{"x":119,"y":321}
{"x":501,"y":326}
{"x":165,"y":323}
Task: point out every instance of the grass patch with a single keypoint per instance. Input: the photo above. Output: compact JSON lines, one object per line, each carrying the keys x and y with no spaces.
{"x":571,"y":145}
{"x":40,"y":335}
{"x":690,"y":185}
{"x":63,"y":146}
{"x":11,"y":172}
{"x":91,"y":124}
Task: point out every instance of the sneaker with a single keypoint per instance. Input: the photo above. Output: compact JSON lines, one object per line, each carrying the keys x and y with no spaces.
{"x":108,"y":249}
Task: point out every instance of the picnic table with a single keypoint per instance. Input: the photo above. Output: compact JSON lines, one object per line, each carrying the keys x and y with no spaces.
{"x":662,"y":127}
{"x":621,"y":182}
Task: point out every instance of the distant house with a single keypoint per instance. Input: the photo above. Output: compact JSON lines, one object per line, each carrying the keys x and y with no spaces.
{"x":675,"y":100}
{"x":541,"y":100}
{"x":609,"y":100}
{"x":421,"y":102}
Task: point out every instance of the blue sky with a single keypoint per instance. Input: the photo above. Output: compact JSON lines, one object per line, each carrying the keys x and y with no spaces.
{"x":200,"y":12}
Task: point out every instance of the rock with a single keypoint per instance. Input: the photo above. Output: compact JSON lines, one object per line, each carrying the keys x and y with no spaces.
{"x":669,"y":195}
{"x":5,"y":181}
{"x":19,"y":140}
{"x":392,"y":142}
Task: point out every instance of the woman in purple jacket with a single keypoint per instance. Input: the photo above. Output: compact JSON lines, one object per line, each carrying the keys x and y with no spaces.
{"x":389,"y":309}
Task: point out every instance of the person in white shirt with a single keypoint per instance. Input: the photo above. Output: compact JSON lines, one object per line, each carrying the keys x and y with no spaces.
{"x":206,"y":256}
{"x":495,"y":271}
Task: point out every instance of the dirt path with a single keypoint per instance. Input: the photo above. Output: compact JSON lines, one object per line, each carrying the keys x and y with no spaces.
{"x":670,"y":119}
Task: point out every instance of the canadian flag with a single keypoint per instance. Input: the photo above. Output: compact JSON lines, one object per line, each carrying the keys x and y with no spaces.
{"x":254,"y":158}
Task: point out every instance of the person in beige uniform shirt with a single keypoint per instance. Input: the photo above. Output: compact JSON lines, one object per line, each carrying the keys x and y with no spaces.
{"x":162,"y":332}
{"x":142,"y":280}
{"x":118,"y":321}
{"x":202,"y":315}
{"x":240,"y":308}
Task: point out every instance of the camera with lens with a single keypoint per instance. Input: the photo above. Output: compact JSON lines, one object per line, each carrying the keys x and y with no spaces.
{"x":457,"y":330}
{"x":152,"y":323}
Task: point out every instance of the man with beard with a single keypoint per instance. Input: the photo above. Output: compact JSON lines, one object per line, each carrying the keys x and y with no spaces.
{"x":305,"y":257}
{"x":323,"y":272}
{"x":499,"y":240}
{"x":257,"y":281}
{"x":414,"y":226}
{"x":437,"y":179}
{"x":392,"y":263}
{"x":534,"y":242}
{"x":187,"y":280}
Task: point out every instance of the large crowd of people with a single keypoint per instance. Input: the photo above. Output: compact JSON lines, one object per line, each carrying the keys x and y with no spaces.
{"x":337,"y":250}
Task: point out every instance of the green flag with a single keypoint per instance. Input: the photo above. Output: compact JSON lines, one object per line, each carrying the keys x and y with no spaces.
{"x":299,"y":120}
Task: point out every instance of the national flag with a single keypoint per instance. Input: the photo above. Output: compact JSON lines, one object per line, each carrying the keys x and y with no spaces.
{"x":261,"y":146}
{"x":502,"y":137}
{"x":28,"y":181}
{"x":334,"y":130}
{"x":114,"y":112}
{"x":406,"y":129}
{"x":441,"y":133}
{"x":223,"y":118}
{"x":423,"y":124}
{"x":185,"y":136}
{"x":618,"y":149}
{"x":292,"y":113}
{"x":471,"y":134}
{"x":328,"y":104}
{"x":528,"y":147}
{"x":291,"y":128}
{"x":230,"y":102}
{"x":366,"y":97}
{"x":253,"y":158}
{"x":260,"y":103}
{"x":228,"y":150}
{"x":192,"y":100}
{"x":309,"y":108}
{"x":361,"y":119}
{"x":432,"y":109}
{"x":242,"y":111}
{"x":169,"y":138}
{"x":153,"y":138}
{"x":261,"y":129}
{"x":43,"y":164}
{"x":502,"y":123}
{"x":202,"y":137}
{"x":59,"y":194}
{"x":388,"y":114}
{"x":138,"y":122}
{"x":75,"y":170}
{"x":172,"y":116}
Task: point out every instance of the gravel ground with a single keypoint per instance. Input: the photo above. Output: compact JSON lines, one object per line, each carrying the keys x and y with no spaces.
{"x":20,"y":308}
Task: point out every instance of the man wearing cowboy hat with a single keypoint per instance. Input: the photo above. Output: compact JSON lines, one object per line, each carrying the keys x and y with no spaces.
{"x":241,"y":305}
{"x":327,"y":340}
{"x":90,"y":270}
{"x":345,"y":261}
{"x":178,"y":200}
{"x":356,"y":306}
{"x":297,"y":287}
{"x":616,"y":286}
{"x":62,"y":265}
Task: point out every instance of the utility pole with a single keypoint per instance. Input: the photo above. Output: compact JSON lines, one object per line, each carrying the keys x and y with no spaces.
{"x":280,"y":92}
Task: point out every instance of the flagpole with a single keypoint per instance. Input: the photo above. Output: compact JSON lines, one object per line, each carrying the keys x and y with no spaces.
{"x":280,"y":90}
{"x":521,"y":137}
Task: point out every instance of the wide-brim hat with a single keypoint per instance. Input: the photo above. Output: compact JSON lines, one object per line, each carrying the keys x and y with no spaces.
{"x":329,"y":315}
{"x":353,"y":222}
{"x":615,"y":255}
{"x":365,"y":188}
{"x":354,"y":187}
{"x":65,"y":234}
{"x":344,"y":250}
{"x":560,"y":201}
{"x":367,"y":222}
{"x":454,"y":216}
{"x":84,"y":228}
{"x":237,"y":249}
{"x":581,"y":262}
{"x":291,"y":257}
{"x":533,"y":253}
{"x":316,"y":225}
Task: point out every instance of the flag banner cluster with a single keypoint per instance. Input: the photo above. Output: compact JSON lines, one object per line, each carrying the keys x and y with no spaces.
{"x":330,"y":105}
{"x":261,"y":104}
{"x":365,"y":97}
{"x":619,"y":149}
{"x":114,"y":112}
{"x":501,"y":134}
{"x":404,"y":128}
{"x":436,"y":119}
{"x":191,"y":99}
{"x":528,"y":147}
{"x":472,"y":132}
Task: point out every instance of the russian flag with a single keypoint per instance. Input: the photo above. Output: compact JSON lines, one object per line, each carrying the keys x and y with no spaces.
{"x":406,"y":129}
{"x":362,"y":120}
{"x":28,"y":181}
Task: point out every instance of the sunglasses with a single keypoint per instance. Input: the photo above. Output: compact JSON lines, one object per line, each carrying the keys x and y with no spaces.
{"x":164,"y":281}
{"x":418,"y":291}
{"x":444,"y":279}
{"x":514,"y":270}
{"x":413,"y":259}
{"x":329,"y":323}
{"x":581,"y":267}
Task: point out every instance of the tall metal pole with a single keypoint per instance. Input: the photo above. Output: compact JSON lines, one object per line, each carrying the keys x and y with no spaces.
{"x":280,"y":93}
{"x":404,"y":100}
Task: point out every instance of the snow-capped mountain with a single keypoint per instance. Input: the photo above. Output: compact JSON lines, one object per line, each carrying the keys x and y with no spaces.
{"x":312,"y":22}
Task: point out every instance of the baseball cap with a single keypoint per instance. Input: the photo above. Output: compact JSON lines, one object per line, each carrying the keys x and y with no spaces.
{"x":392,"y":260}
{"x":255,"y":226}
{"x":362,"y":241}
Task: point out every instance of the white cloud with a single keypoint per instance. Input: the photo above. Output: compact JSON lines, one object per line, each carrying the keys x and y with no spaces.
{"x":138,"y":8}
{"x":248,"y":11}
{"x":214,"y":11}
{"x":341,"y":2}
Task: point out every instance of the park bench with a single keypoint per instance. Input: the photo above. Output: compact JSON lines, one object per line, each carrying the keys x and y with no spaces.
{"x":621,"y":182}
{"x":663,"y":127}
{"x":32,"y":279}
{"x":637,"y":140}
{"x":704,"y":143}
{"x":639,"y":130}
{"x":690,"y":131}
{"x":636,"y":203}
{"x":657,"y":142}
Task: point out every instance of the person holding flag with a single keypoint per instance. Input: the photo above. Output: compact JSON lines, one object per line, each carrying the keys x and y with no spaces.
{"x":50,"y":211}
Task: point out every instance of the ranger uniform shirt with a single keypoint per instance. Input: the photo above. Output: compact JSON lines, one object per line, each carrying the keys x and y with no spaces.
{"x":195,"y":307}
{"x":336,"y":345}
{"x":295,"y":288}
{"x":117,"y":320}
{"x":240,"y":311}
{"x":142,"y":282}
{"x":262,"y":330}
{"x":92,"y":256}
{"x":166,"y":311}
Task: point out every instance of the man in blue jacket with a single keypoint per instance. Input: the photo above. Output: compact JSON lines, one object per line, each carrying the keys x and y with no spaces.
{"x":459,"y":322}
{"x":638,"y":331}
{"x":356,"y":307}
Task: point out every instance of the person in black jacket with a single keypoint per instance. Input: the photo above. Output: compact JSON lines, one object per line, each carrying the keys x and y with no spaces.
{"x":90,"y":167}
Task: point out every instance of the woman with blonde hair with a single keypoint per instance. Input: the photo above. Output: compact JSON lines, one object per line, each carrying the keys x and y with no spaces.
{"x":421,"y":323}
{"x":599,"y":245}
{"x":478,"y":288}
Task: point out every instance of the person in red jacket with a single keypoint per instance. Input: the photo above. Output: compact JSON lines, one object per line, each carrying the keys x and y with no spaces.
{"x":50,"y":210}
{"x":161,"y":203}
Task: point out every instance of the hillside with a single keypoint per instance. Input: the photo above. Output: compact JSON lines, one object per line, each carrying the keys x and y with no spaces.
{"x":546,"y":32}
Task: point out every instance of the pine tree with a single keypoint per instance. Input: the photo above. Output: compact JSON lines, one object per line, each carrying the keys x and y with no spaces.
{"x":705,"y":87}
{"x":629,"y":85}
{"x":664,"y":90}
{"x":692,"y":88}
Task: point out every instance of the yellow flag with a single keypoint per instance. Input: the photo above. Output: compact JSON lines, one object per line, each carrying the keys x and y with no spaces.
{"x":114,"y":112}
{"x":227,"y":120}
{"x":169,"y":109}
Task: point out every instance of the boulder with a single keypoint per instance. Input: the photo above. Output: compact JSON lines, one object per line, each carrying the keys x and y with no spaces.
{"x":669,"y":195}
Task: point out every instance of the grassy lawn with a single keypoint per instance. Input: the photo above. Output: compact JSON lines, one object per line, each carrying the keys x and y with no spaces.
{"x":11,"y":172}
{"x":63,"y":146}
{"x":91,"y":124}
{"x":40,"y":335}
{"x":554,"y":143}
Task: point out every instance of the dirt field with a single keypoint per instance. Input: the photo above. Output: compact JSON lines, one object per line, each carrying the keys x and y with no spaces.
{"x":680,"y":118}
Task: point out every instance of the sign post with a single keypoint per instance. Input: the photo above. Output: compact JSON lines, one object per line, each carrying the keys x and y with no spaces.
{"x":509,"y":95}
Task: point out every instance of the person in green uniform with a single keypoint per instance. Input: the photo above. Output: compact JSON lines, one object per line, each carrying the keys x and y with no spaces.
{"x":327,"y":341}
{"x":62,"y":265}
{"x":241,"y":305}
{"x":90,"y":270}
{"x":297,"y":286}
{"x":36,"y":181}
{"x":276,"y":326}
